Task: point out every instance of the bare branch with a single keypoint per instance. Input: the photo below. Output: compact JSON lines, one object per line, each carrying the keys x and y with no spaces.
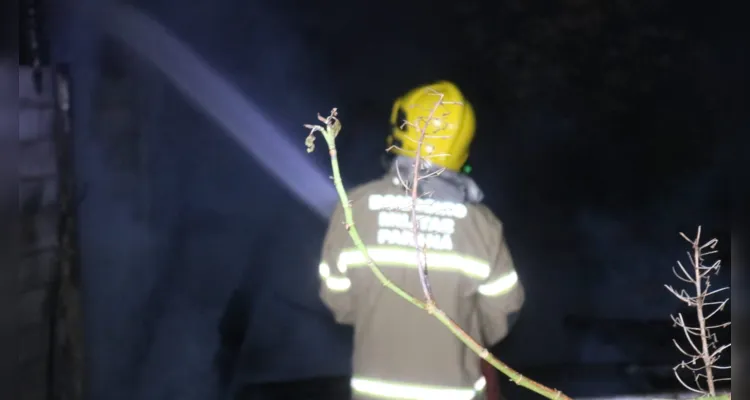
{"x":431,"y":174}
{"x":716,"y":353}
{"x":700,"y":280}
{"x":686,"y":280}
{"x":688,"y":387}
{"x":421,"y":256}
{"x":681,"y":350}
{"x":683,"y":296}
{"x":717,"y":291}
{"x":690,"y":339}
{"x":684,"y":271}
{"x":401,"y":178}
{"x":720,"y":308}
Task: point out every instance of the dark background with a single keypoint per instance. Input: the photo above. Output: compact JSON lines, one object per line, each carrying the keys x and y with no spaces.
{"x":604,"y":129}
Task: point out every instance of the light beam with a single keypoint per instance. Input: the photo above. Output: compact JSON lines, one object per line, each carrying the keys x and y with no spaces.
{"x":239,"y":117}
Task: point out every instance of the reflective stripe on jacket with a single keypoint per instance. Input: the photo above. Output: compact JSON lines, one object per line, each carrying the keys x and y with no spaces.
{"x":400,"y":351}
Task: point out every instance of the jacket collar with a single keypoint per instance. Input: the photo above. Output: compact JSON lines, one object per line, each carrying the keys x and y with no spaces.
{"x":443,"y":186}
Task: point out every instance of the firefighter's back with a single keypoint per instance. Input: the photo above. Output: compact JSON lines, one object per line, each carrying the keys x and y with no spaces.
{"x":399,"y":350}
{"x":399,"y":347}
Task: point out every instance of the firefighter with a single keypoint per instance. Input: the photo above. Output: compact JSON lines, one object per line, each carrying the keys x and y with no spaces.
{"x":400,"y":351}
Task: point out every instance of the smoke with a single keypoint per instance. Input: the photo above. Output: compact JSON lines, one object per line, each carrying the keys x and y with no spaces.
{"x":155,"y":286}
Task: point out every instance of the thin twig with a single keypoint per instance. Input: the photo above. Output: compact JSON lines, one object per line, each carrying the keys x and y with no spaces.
{"x":421,"y":256}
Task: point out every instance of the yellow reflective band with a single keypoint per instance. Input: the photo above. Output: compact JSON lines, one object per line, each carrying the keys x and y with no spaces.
{"x":324,"y":270}
{"x":333,"y":283}
{"x":398,"y":256}
{"x":404,"y":391}
{"x":480,"y":384}
{"x":499,"y":286}
{"x":337,"y":284}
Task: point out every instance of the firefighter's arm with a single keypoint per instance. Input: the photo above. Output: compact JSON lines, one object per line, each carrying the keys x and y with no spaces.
{"x":335,"y":283}
{"x":500,"y":296}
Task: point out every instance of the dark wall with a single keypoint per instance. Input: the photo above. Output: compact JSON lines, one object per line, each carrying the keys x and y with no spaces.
{"x":28,"y":240}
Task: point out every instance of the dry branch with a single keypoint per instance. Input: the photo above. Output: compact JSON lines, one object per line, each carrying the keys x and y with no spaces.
{"x":704,"y":352}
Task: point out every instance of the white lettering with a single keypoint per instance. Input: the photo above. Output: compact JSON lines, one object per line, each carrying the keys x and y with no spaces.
{"x":404,"y":237}
{"x":426,"y":223}
{"x":436,"y":221}
{"x":403,"y":203}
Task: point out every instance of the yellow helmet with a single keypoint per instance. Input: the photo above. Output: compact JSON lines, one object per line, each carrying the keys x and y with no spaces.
{"x":451,"y":130}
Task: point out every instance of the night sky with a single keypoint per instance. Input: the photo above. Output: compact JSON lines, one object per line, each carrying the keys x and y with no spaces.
{"x":604,"y":130}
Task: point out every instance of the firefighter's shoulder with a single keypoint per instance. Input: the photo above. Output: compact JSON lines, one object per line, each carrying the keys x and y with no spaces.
{"x":360,"y":195}
{"x":482,"y":216}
